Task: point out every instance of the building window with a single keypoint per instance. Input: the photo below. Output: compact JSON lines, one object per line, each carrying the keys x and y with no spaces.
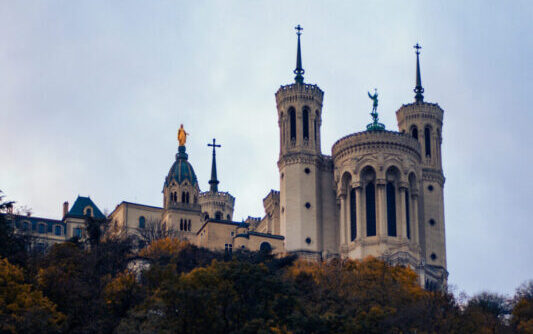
{"x":33,"y":226}
{"x":407,"y":218}
{"x":42,"y":228}
{"x":181,"y":224}
{"x":218,"y":215}
{"x":427,"y":141}
{"x":228,"y":248}
{"x":370,"y":194}
{"x":307,"y":170}
{"x":76,"y":232}
{"x":305,"y":123}
{"x":49,"y":228}
{"x":433,"y":256}
{"x":189,"y":225}
{"x":307,"y":205}
{"x":414,"y":132}
{"x":292,"y":120}
{"x":58,"y":230}
{"x":232,"y":234}
{"x":187,"y":197}
{"x":88,"y":212}
{"x":308,"y":240}
{"x":228,"y":217}
{"x":432,"y":222}
{"x":265,"y":247}
{"x":391,"y":209}
{"x":142,"y":222}
{"x":353,"y":215}
{"x":25,"y":226}
{"x":430,"y":187}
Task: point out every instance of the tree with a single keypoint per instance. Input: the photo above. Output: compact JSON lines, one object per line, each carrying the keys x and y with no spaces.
{"x":156,"y":230}
{"x":522,"y":313}
{"x":23,"y":309}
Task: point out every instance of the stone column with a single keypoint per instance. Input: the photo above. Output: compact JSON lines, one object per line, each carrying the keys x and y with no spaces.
{"x":401,"y":209}
{"x":381,"y":208}
{"x":342,"y":219}
{"x":414,"y":217}
{"x":359,"y":209}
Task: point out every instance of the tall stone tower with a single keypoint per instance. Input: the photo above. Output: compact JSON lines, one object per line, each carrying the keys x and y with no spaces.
{"x":423,"y":121}
{"x":301,"y":166}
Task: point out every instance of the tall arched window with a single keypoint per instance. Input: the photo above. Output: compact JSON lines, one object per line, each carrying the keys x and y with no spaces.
{"x":142,"y":222}
{"x":427,"y":141}
{"x":353,"y":215}
{"x":183,"y":196}
{"x":187,"y":197}
{"x":370,"y":194}
{"x":407,"y":218}
{"x":414,"y":132}
{"x":218,"y":215}
{"x":189,"y":225}
{"x":391,"y":210}
{"x":181,"y":224}
{"x":292,"y":120}
{"x":305,"y":123}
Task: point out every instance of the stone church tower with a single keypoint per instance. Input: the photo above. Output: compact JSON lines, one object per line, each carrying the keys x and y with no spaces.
{"x":307,"y":200}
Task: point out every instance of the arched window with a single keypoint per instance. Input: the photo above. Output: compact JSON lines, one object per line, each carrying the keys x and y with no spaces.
{"x":414,"y":132}
{"x":427,"y":141}
{"x":391,"y":209}
{"x":189,"y":225}
{"x":142,"y":222}
{"x":353,"y":216}
{"x":292,"y":120}
{"x":181,"y":224}
{"x":42,"y":228}
{"x":58,"y":230}
{"x":265,"y":247}
{"x":187,"y":197}
{"x":218,"y":215}
{"x":370,"y":194}
{"x":183,"y":197}
{"x":407,"y":218}
{"x":305,"y":123}
{"x":228,"y":217}
{"x":88,"y":212}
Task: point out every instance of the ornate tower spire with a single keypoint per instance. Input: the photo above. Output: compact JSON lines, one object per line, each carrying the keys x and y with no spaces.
{"x":214,"y":182}
{"x":299,"y":71}
{"x":418,"y":88}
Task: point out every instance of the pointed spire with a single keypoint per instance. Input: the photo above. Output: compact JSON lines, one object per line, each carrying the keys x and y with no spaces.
{"x":299,"y":71}
{"x":418,"y":88}
{"x":214,"y":182}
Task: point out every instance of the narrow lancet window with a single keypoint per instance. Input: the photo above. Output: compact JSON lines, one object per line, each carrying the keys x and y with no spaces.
{"x":353,"y":215}
{"x":370,"y":193}
{"x":427,"y":140}
{"x":292,"y":120}
{"x":414,"y":133}
{"x":305,"y":123}
{"x":391,"y":210}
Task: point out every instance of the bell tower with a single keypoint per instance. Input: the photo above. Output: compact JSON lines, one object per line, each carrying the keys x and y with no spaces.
{"x":423,"y":121}
{"x":300,"y":162}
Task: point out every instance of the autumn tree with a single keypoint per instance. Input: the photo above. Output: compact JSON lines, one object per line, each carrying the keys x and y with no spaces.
{"x":22,"y":308}
{"x":522,"y":313}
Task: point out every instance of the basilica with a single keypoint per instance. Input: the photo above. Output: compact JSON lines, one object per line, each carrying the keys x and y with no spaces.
{"x":377,"y":193}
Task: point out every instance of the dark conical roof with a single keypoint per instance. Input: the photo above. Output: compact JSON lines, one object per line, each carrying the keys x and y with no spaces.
{"x":181,"y":169}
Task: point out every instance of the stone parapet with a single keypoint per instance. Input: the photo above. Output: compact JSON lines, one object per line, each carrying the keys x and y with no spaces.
{"x":299,"y":92}
{"x":222,"y":197}
{"x":375,"y":141}
{"x":419,"y":110}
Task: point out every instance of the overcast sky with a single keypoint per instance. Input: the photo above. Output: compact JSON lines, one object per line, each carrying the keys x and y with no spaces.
{"x":92,"y":94}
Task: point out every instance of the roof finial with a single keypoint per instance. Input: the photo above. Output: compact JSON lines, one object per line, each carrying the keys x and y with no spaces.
{"x":418,"y":88}
{"x":214,"y":182}
{"x":299,"y":71}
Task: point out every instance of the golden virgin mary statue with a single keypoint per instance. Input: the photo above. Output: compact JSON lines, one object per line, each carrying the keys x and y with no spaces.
{"x":182,"y":135}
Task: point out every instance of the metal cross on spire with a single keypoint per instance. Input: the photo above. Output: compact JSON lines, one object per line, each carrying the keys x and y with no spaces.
{"x":419,"y":90}
{"x":299,"y":71}
{"x":214,"y":182}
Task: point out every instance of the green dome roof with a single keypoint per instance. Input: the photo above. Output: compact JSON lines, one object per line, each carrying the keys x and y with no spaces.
{"x":181,"y":169}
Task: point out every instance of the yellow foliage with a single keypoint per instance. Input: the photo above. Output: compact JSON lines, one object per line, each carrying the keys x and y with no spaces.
{"x":166,"y":247}
{"x":20,"y":306}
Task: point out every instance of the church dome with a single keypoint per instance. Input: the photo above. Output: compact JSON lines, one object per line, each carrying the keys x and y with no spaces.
{"x":181,"y":170}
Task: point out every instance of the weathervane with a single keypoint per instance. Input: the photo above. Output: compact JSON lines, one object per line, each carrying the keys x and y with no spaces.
{"x":375,"y":125}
